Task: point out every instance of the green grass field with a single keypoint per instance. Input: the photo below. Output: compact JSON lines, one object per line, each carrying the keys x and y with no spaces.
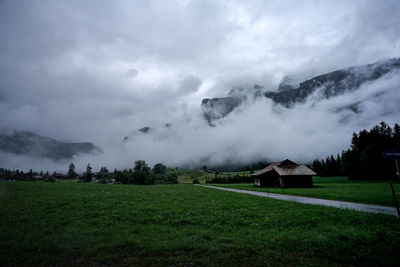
{"x":69,"y":223}
{"x":336,"y":188}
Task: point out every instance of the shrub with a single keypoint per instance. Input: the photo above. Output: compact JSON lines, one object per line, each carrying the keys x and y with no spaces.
{"x":235,"y":179}
{"x":49,"y":179}
{"x":159,"y":169}
{"x":170,"y":178}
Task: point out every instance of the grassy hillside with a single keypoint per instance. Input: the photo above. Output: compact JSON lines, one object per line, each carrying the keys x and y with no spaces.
{"x":237,"y":173}
{"x":69,"y":223}
{"x":337,"y":188}
{"x":186,"y":176}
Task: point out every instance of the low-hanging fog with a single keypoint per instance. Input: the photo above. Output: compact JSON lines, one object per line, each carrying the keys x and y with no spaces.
{"x":97,"y":71}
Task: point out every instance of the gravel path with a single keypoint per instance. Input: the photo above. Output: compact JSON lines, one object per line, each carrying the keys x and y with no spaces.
{"x":314,"y":201}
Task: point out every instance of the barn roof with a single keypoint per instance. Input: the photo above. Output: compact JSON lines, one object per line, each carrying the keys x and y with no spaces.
{"x":295,"y":170}
{"x":266,"y":169}
{"x":286,"y":167}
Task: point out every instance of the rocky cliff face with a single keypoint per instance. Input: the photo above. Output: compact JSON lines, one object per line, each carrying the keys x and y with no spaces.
{"x":144,"y":130}
{"x":333,"y":83}
{"x":288,"y":94}
{"x":216,"y":108}
{"x":30,"y":144}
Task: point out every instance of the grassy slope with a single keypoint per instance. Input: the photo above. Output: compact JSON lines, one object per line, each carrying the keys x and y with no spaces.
{"x":337,"y":188}
{"x":237,"y":173}
{"x":67,"y":223}
{"x":186,"y":176}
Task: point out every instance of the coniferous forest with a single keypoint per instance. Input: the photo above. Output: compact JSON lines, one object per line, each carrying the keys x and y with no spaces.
{"x":364,"y":159}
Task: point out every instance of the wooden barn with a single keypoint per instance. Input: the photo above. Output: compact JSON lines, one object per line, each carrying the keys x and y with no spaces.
{"x":284,"y":173}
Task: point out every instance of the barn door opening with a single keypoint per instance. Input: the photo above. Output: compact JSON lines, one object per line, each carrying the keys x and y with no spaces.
{"x":281,"y":182}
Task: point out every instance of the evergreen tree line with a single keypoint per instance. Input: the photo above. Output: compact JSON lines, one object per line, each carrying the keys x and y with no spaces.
{"x":364,"y":160}
{"x":235,"y":166}
{"x":331,"y":166}
{"x":141,"y":174}
{"x":17,"y":175}
{"x":231,"y":179}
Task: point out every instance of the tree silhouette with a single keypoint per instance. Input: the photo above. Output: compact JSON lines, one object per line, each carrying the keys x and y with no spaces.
{"x":71,"y":171}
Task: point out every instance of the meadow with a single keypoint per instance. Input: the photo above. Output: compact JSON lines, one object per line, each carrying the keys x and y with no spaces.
{"x":337,"y":188}
{"x":88,"y":224}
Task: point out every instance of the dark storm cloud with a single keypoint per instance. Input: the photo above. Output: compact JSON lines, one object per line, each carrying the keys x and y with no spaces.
{"x":98,"y":70}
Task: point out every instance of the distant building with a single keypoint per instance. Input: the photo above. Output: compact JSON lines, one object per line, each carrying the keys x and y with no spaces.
{"x":37,"y":177}
{"x":284,"y":173}
{"x":58,"y":175}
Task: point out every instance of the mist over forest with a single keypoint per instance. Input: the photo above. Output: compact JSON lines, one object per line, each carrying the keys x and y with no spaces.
{"x":110,"y":83}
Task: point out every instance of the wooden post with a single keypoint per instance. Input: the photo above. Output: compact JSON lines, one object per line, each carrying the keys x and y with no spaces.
{"x":393,"y":155}
{"x":395,"y":199}
{"x":393,"y":192}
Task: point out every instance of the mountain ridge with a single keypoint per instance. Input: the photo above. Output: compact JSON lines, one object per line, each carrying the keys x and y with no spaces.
{"x":330,"y":84}
{"x":335,"y":82}
{"x":34,"y":145}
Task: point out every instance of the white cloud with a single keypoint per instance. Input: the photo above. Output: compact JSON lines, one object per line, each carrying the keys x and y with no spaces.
{"x":64,"y":68}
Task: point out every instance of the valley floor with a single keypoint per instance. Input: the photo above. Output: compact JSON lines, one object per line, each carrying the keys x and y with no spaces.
{"x":78,"y":224}
{"x":336,"y":188}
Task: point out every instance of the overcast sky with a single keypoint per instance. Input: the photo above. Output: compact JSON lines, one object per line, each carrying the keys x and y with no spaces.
{"x":98,"y":70}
